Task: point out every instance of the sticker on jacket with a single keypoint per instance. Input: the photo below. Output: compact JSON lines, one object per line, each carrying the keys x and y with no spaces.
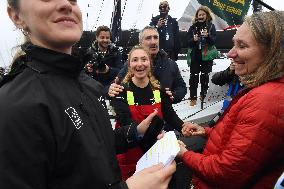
{"x":74,"y":116}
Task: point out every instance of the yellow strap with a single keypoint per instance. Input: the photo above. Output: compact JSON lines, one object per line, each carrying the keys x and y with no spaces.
{"x":157,"y":96}
{"x":130,"y":98}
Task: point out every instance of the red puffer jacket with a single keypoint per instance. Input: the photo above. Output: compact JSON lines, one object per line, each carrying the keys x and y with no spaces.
{"x":245,"y":148}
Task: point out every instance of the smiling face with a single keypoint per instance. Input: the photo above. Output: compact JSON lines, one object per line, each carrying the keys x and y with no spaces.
{"x":139,"y":64}
{"x":103,"y":40}
{"x":53,"y":24}
{"x":164,"y":8}
{"x":201,"y":16}
{"x":246,"y":53}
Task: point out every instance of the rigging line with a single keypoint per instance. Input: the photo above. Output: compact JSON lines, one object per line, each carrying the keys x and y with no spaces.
{"x":114,"y":13}
{"x":99,"y":14}
{"x":87,"y":14}
{"x":4,"y":63}
{"x":2,"y":59}
{"x":138,"y":13}
{"x":10,"y":51}
{"x":135,"y":22}
{"x":122,"y":13}
{"x":124,"y":6}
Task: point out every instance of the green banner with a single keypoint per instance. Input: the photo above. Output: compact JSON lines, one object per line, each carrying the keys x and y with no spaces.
{"x":232,"y":11}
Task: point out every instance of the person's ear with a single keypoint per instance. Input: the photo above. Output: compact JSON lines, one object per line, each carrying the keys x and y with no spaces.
{"x":16,"y":18}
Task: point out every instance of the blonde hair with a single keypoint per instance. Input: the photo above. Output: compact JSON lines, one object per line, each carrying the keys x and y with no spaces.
{"x":153,"y":81}
{"x":14,"y":4}
{"x":268,"y":30}
{"x":207,"y":10}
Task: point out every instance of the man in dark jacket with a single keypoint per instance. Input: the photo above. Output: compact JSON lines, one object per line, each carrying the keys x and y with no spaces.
{"x":103,"y":60}
{"x":165,"y":70}
{"x":168,"y":31}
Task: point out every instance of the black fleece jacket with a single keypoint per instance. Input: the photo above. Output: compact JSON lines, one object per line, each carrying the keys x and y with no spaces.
{"x":54,"y":132}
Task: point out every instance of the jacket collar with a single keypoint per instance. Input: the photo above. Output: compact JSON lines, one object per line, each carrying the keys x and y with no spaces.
{"x":45,"y":60}
{"x":160,"y":58}
{"x":160,"y":55}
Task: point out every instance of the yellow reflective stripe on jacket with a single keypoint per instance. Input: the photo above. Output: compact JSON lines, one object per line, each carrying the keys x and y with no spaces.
{"x":157,"y":96}
{"x":130,"y":98}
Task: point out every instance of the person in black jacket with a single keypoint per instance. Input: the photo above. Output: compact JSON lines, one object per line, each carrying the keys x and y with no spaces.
{"x":200,"y":34}
{"x":54,"y":133}
{"x":103,"y":60}
{"x":226,"y":76}
{"x":229,"y":77}
{"x":168,"y":31}
{"x":165,"y":70}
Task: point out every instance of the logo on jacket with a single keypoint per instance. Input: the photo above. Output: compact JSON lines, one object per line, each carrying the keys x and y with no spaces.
{"x":74,"y":116}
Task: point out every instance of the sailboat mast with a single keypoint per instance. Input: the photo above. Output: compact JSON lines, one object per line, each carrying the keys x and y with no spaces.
{"x":116,"y":22}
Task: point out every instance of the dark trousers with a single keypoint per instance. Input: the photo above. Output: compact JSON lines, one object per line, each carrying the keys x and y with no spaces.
{"x":198,"y":66}
{"x":182,"y":177}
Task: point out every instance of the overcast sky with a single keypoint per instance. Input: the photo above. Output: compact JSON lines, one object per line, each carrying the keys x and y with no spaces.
{"x":137,"y":14}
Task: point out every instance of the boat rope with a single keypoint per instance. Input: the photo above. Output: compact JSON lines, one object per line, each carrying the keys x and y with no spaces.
{"x":2,"y":59}
{"x":133,"y":28}
{"x":124,"y":6}
{"x":114,"y":12}
{"x":123,"y":9}
{"x":99,"y":14}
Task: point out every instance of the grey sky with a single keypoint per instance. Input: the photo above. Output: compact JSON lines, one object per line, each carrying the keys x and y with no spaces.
{"x":134,"y":16}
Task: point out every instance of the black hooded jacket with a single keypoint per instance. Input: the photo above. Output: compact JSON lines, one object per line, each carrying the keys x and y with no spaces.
{"x":54,"y":132}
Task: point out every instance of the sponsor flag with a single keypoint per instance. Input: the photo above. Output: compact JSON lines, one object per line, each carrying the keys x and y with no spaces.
{"x":227,"y":12}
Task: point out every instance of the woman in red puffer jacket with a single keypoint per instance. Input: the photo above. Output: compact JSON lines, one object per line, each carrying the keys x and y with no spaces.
{"x":245,"y":148}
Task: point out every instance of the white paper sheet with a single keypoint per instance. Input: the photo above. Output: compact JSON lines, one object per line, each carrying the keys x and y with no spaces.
{"x":163,"y":151}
